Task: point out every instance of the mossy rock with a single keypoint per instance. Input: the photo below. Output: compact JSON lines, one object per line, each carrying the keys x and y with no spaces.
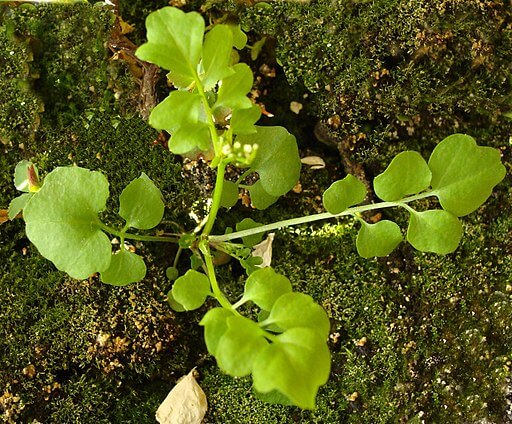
{"x":386,"y":70}
{"x":414,"y":336}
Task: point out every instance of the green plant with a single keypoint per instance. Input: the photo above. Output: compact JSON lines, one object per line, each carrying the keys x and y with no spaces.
{"x":284,"y":348}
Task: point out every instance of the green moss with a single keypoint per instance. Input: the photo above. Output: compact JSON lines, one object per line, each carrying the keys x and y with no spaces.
{"x":414,"y":336}
{"x":387,"y":70}
{"x":19,"y":117}
{"x":81,"y":351}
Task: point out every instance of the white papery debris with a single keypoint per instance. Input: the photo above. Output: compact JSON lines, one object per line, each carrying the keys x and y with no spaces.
{"x":263,"y":250}
{"x":185,"y":404}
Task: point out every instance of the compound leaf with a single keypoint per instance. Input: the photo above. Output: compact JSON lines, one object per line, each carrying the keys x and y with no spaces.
{"x":435,"y":231}
{"x":191,"y":289}
{"x":293,"y":310}
{"x":247,"y":224}
{"x":464,"y":174}
{"x":264,"y":286}
{"x":182,"y":115}
{"x":18,"y":204}
{"x":343,"y":193}
{"x":408,"y":173}
{"x":277,"y":160}
{"x":125,"y":268}
{"x":141,"y":204}
{"x":175,"y":41}
{"x":239,"y":346}
{"x":296,"y":364}
{"x":378,"y":239}
{"x":62,"y":221}
{"x":215,"y":325}
{"x":216,"y":55}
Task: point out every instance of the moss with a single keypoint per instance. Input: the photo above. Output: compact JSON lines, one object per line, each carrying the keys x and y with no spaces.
{"x":414,"y":336}
{"x":81,"y":351}
{"x":68,"y":46}
{"x":386,"y":70}
{"x":19,"y":118}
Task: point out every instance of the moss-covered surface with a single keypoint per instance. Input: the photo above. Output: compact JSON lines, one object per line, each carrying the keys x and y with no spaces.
{"x":414,"y":336}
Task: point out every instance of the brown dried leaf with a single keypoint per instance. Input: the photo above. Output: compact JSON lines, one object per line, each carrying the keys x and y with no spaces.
{"x":3,"y":216}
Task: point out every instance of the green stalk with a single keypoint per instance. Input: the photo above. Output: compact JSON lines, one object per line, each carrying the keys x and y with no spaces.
{"x":122,"y":234}
{"x":316,"y":217}
{"x":209,"y":117}
{"x":217,"y":197}
{"x":205,"y":250}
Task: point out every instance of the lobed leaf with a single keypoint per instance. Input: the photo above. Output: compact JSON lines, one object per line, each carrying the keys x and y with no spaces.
{"x":435,"y":231}
{"x":215,"y":325}
{"x":217,"y":55}
{"x":343,"y":193}
{"x":175,"y":41}
{"x":264,"y":286}
{"x":189,"y":138}
{"x":182,"y":115}
{"x":229,"y":194}
{"x":179,"y":108}
{"x":191,"y":290}
{"x":18,"y":204}
{"x":239,"y":37}
{"x":141,"y":204}
{"x":247,"y":224}
{"x":296,"y":364}
{"x":234,"y":88}
{"x":125,"y":268}
{"x":62,"y":221}
{"x":260,"y":199}
{"x":378,"y":239}
{"x":292,"y":310}
{"x":242,"y":120}
{"x":239,"y":346}
{"x":407,"y":174}
{"x":277,"y":160}
{"x":464,"y":174}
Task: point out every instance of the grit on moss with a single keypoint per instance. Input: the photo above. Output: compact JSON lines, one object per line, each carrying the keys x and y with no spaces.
{"x":415,"y":337}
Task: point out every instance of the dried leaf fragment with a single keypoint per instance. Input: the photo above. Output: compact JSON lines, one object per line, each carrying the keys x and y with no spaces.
{"x":3,"y":216}
{"x":264,"y":251}
{"x":315,"y":162}
{"x":296,"y":107}
{"x":185,"y":404}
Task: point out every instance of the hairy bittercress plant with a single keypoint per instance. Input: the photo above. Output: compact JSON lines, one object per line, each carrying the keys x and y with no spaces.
{"x":285,"y":349}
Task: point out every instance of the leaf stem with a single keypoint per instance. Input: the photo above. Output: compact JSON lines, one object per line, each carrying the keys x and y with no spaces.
{"x":217,"y":197}
{"x":217,"y":292}
{"x":122,"y":234}
{"x":243,"y":176}
{"x":209,"y":117}
{"x":317,"y":217}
